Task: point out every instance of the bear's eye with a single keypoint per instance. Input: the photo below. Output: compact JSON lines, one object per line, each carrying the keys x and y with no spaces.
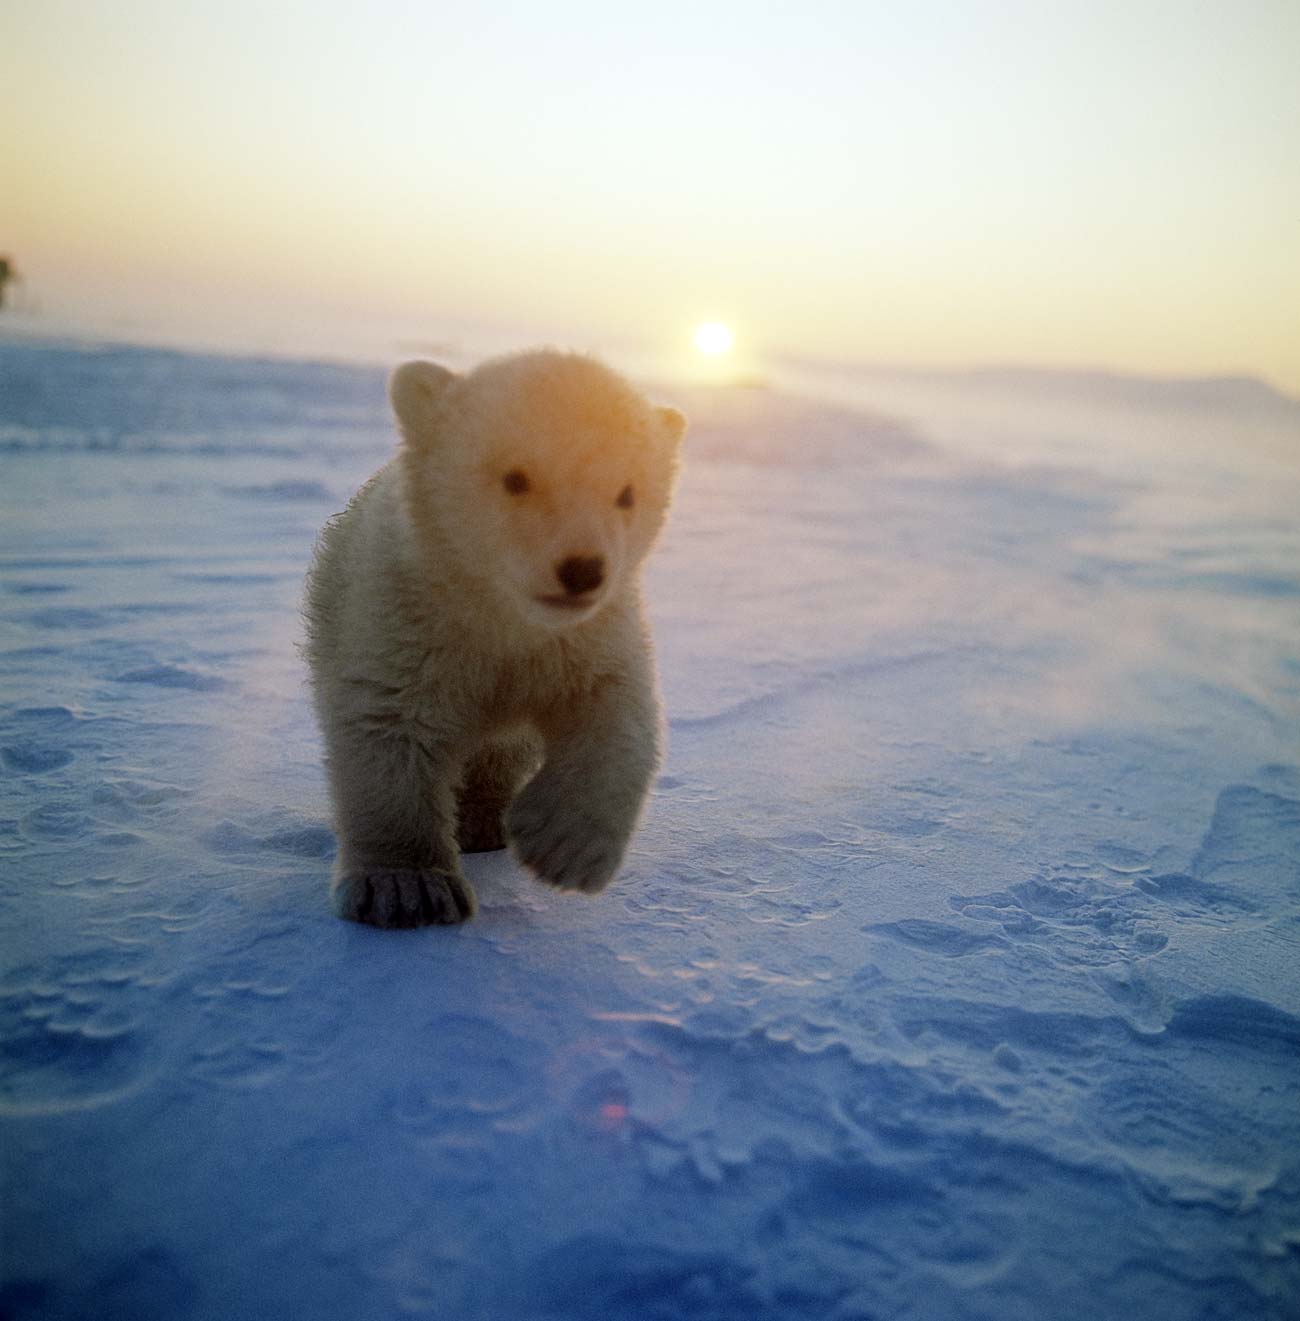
{"x":516,"y":482}
{"x":626,"y":499}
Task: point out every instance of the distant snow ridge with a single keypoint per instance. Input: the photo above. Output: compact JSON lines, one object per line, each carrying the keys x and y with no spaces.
{"x":749,"y":424}
{"x":955,"y":972}
{"x":1223,"y":396}
{"x":69,"y":399}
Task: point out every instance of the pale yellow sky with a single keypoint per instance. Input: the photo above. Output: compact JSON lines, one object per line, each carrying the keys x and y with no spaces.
{"x":1062,"y":183}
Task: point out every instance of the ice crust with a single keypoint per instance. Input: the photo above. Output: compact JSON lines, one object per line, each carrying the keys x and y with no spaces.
{"x":955,"y":972}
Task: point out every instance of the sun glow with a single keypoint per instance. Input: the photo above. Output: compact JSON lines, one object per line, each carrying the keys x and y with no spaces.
{"x":713,"y":338}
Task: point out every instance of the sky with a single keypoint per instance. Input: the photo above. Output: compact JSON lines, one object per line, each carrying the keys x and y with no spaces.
{"x":1057,"y":184}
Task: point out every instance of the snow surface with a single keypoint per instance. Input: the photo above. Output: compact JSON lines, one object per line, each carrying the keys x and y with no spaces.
{"x":955,"y":972}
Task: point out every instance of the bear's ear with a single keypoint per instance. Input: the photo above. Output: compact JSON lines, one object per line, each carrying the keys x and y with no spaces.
{"x":673,"y":423}
{"x":414,"y":390}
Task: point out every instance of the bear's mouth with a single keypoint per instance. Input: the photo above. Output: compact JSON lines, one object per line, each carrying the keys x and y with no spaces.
{"x":564,"y":602}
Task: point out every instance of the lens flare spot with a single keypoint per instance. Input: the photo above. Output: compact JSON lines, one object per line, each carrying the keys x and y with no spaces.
{"x":613,"y":1114}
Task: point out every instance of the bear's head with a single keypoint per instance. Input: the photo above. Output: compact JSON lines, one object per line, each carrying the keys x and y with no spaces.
{"x":545,"y":477}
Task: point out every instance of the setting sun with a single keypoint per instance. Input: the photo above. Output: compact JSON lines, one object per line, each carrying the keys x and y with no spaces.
{"x":713,"y":338}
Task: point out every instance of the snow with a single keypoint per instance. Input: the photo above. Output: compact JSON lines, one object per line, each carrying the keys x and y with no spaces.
{"x":955,"y":971}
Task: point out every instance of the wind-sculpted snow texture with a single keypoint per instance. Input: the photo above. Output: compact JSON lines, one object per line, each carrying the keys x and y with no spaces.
{"x":955,"y":972}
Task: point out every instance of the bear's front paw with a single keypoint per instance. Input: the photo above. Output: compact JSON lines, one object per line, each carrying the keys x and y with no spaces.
{"x":388,"y":897}
{"x":567,"y":848}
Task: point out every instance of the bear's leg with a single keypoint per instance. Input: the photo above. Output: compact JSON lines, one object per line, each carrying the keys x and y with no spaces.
{"x":572,"y":822}
{"x":492,"y":778}
{"x":394,"y":809}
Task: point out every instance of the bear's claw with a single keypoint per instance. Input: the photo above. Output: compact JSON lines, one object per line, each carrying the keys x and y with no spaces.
{"x":396,"y":898}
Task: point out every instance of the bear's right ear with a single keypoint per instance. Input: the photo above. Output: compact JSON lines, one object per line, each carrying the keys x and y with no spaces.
{"x":674,"y":424}
{"x":414,"y":390}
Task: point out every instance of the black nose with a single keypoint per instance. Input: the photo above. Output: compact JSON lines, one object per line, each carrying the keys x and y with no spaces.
{"x":580,"y":574}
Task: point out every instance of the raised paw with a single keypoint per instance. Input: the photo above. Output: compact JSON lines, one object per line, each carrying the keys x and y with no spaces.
{"x":386,"y":897}
{"x":569,"y":849}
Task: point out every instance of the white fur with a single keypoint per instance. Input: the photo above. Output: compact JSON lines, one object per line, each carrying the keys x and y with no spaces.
{"x":460,"y":689}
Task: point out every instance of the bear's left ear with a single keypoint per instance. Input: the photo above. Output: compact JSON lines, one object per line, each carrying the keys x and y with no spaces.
{"x":414,"y":390}
{"x":673,"y":423}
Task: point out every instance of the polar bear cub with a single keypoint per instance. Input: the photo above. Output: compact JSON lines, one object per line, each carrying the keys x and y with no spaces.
{"x":480,"y":664}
